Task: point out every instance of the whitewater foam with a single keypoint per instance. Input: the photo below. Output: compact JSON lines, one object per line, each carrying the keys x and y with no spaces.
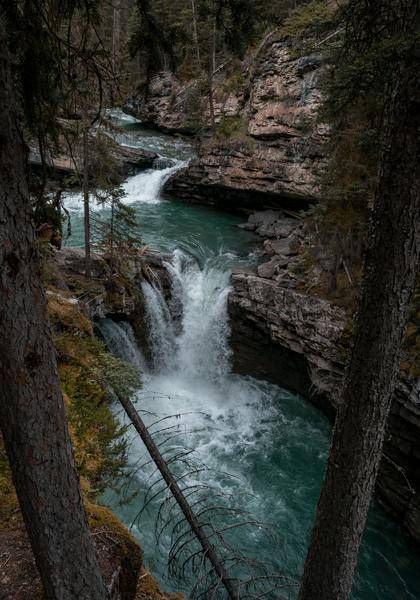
{"x":145,"y":187}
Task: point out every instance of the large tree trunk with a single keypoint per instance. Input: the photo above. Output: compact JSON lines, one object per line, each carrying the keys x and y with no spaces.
{"x":390,"y":269}
{"x":32,"y":414}
{"x":212,"y":68}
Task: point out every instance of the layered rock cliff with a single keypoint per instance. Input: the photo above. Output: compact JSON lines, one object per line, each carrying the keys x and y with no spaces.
{"x":268,"y":147}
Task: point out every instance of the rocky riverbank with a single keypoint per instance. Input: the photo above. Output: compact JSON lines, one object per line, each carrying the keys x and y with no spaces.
{"x":67,"y":163}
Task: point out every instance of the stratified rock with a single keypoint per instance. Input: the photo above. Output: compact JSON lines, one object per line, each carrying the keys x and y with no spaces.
{"x":297,"y":341}
{"x":283,"y":154}
{"x":285,"y":96}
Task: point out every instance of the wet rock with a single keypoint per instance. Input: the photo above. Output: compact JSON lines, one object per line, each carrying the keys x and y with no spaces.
{"x":272,"y":267}
{"x":130,"y":160}
{"x":284,"y":247}
{"x":261,"y":220}
{"x":163,"y":162}
{"x":270,"y":224}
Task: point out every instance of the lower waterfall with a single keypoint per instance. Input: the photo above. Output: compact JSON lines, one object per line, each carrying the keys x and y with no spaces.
{"x":197,"y":345}
{"x":263,"y":446}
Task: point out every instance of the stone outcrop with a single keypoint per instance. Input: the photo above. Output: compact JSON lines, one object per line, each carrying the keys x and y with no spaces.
{"x":177,"y":108}
{"x":277,"y":157}
{"x":161,"y":107}
{"x":108,"y":293}
{"x":299,"y":341}
{"x":130,"y":160}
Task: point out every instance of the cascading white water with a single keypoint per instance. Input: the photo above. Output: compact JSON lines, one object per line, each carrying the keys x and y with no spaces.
{"x":120,"y":340}
{"x":198,"y":345}
{"x":146,"y":186}
{"x":160,"y":326}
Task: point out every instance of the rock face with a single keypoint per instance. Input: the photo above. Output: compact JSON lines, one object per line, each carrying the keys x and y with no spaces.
{"x":181,"y":109}
{"x":297,"y":341}
{"x":279,"y":159}
{"x":161,"y":108}
{"x":107,"y":294}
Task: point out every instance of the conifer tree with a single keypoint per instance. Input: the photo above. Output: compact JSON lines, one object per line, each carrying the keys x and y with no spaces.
{"x":385,"y":36}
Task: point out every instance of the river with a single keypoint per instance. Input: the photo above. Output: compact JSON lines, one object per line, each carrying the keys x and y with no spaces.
{"x":262,"y":447}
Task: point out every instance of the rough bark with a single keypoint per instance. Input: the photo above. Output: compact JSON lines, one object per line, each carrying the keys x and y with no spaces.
{"x":212,"y":68}
{"x":390,"y":270}
{"x":32,"y":414}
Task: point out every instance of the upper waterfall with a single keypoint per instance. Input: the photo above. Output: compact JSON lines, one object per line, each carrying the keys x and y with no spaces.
{"x":146,"y":186}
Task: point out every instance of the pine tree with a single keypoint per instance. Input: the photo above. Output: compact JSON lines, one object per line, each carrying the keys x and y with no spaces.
{"x":391,"y":265}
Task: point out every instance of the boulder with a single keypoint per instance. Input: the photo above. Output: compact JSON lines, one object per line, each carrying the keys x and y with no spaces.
{"x":271,"y":268}
{"x":284,"y":247}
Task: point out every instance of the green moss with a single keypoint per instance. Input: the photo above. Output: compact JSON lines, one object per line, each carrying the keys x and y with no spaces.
{"x":65,"y":315}
{"x":103,"y":520}
{"x":100,"y":449}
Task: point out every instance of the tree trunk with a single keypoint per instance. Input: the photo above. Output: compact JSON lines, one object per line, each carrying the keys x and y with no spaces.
{"x":195,"y":34}
{"x":32,"y":414}
{"x":86,"y":213}
{"x":212,"y":64}
{"x":390,"y":270}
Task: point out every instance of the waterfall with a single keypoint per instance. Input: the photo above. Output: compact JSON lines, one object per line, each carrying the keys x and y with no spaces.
{"x":146,"y":186}
{"x":120,"y":340}
{"x":190,"y":336}
{"x":161,"y":333}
